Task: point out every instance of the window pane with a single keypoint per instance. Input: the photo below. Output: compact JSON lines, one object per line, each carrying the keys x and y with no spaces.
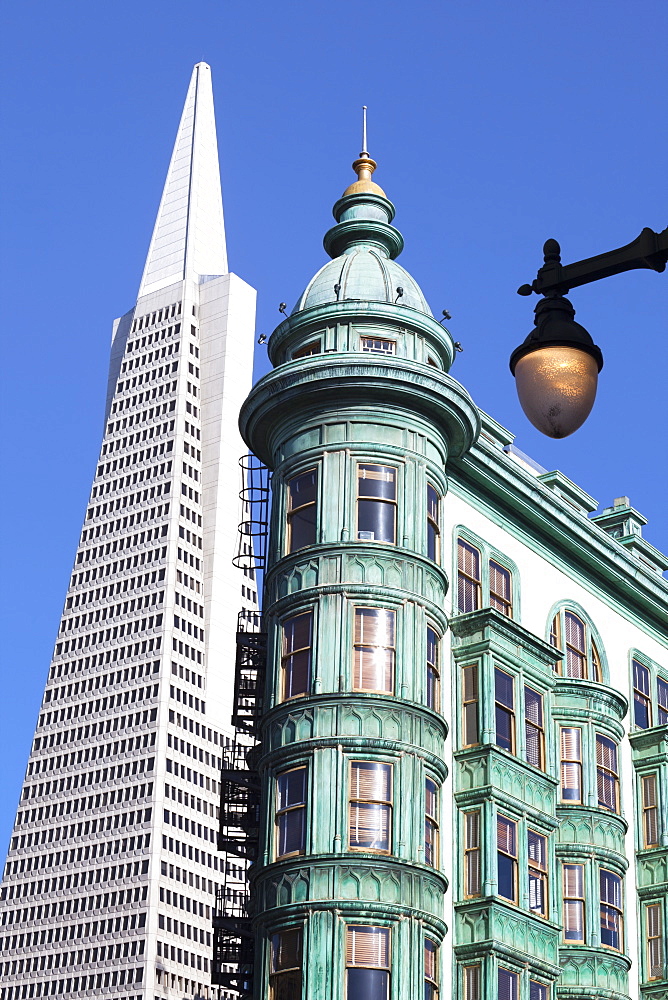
{"x":314,"y":347}
{"x":606,"y":772}
{"x":302,"y":510}
{"x":370,"y":806}
{"x":470,"y":712}
{"x":297,"y":655}
{"x":367,"y":984}
{"x":431,"y":823}
{"x":468,"y":577}
{"x":472,"y":982}
{"x":611,"y":905}
{"x":662,"y":698}
{"x":472,"y":878}
{"x":368,"y":946}
{"x":373,"y":668}
{"x":367,"y":961}
{"x":533,"y":710}
{"x":286,"y":950}
{"x":571,"y":766}
{"x":508,"y":985}
{"x":376,"y":345}
{"x":375,"y":521}
{"x":503,"y":686}
{"x":291,"y":812}
{"x":433,"y":679}
{"x":650,"y":810}
{"x":506,"y":833}
{"x":433,"y":531}
{"x":504,"y":694}
{"x":500,"y":588}
{"x":302,"y":528}
{"x":537,"y":991}
{"x":576,"y":656}
{"x":537,"y":860}
{"x":655,"y":946}
{"x":641,"y":696}
{"x":573,"y":891}
{"x":377,"y":481}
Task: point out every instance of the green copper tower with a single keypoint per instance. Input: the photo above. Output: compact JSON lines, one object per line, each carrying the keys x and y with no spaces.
{"x":357,"y":422}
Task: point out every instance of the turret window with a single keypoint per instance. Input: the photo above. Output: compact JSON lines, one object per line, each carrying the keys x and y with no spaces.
{"x":433,"y":523}
{"x":285,"y":978}
{"x":370,"y":806}
{"x":374,"y":649}
{"x":571,"y":764}
{"x":367,"y":963}
{"x":377,"y":345}
{"x":296,"y":655}
{"x":612,"y":923}
{"x":430,"y":970}
{"x":313,"y":347}
{"x":574,"y":903}
{"x":433,"y":671}
{"x":291,"y":812}
{"x":376,"y":503}
{"x":431,"y":824}
{"x":302,"y":495}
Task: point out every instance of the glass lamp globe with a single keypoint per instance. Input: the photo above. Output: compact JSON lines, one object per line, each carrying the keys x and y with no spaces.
{"x":556,"y":370}
{"x":557,"y":388}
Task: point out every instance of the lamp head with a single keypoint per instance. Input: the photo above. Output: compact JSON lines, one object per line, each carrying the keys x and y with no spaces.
{"x":556,"y":369}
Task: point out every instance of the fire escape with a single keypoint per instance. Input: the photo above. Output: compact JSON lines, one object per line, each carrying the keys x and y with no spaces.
{"x":239,"y":833}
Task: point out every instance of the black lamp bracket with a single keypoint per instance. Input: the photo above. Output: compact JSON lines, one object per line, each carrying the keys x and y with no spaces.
{"x":649,"y":250}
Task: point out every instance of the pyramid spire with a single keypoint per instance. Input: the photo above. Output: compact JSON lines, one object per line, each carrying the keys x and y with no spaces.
{"x":189,"y":235}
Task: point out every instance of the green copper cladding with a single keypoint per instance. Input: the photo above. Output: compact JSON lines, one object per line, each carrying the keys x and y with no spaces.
{"x":353,"y":740}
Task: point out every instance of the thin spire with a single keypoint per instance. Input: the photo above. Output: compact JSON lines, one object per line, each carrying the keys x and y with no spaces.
{"x":189,"y":234}
{"x":365,"y":151}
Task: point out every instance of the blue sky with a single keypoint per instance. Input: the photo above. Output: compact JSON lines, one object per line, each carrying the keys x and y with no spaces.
{"x":495,"y":126}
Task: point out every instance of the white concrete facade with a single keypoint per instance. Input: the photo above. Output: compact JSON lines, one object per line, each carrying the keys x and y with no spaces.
{"x":111,"y":874}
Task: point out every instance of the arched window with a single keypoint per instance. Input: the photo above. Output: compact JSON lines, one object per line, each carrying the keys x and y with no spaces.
{"x":570,"y":633}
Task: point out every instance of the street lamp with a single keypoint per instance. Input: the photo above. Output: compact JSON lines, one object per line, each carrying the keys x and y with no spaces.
{"x":556,"y":368}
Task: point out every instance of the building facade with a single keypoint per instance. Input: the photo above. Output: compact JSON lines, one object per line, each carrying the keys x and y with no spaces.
{"x":460,"y":785}
{"x":112,"y":870}
{"x":462,"y":761}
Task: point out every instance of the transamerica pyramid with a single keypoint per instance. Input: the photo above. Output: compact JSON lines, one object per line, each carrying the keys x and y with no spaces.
{"x":112,"y":869}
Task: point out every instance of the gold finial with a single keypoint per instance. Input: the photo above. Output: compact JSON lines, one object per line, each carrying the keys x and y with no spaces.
{"x":364,"y":167}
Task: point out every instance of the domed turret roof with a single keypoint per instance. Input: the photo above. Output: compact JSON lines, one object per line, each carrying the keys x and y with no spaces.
{"x":363,"y":245}
{"x":363,"y":273}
